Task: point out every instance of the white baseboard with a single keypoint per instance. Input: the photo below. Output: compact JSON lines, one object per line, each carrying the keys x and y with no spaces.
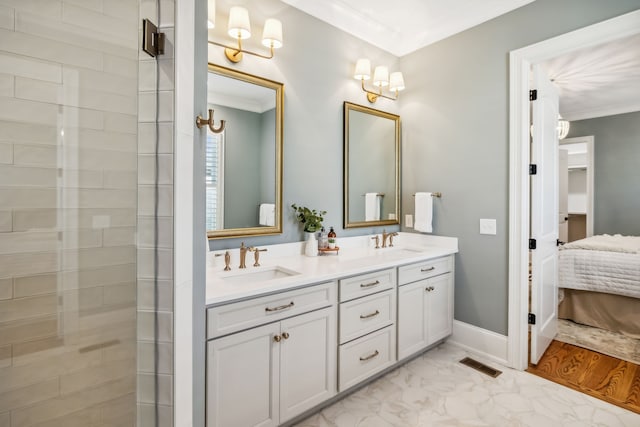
{"x":484,"y":343}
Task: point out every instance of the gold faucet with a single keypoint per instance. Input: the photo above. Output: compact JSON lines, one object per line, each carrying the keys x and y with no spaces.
{"x":384,"y":238}
{"x":243,"y":255}
{"x":391,"y":238}
{"x":256,"y":256}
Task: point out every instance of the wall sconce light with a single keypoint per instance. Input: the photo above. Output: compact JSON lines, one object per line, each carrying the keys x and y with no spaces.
{"x":240,"y":28}
{"x":381,"y":79}
{"x":563,"y":128}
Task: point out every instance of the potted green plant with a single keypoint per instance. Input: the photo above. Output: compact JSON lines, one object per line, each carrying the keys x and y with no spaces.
{"x":311,"y":218}
{"x":312,"y":221}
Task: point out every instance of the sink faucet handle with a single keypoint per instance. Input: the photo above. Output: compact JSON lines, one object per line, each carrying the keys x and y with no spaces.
{"x":256,"y":256}
{"x":377,"y":239}
{"x":227,"y":261}
{"x":391,"y":238}
{"x":243,"y":255}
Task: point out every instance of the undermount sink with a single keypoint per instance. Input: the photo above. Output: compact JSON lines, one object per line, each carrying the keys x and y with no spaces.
{"x":259,"y":274}
{"x":399,"y":249}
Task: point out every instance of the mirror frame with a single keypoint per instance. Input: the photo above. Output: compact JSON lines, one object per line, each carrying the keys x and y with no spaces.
{"x":348,"y":106}
{"x":279,"y":94}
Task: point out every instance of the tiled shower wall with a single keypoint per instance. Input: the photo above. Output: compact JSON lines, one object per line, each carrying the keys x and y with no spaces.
{"x":146,"y":235}
{"x":68,"y":213}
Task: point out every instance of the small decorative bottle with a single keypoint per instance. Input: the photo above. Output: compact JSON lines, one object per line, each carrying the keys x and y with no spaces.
{"x":332,"y":238}
{"x":323,"y":241}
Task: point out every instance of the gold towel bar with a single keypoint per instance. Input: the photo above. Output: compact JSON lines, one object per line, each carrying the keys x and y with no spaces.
{"x":436,"y":194}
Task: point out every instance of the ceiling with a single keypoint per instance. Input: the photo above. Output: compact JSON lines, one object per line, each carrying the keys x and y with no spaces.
{"x":599,"y":81}
{"x":403,"y":26}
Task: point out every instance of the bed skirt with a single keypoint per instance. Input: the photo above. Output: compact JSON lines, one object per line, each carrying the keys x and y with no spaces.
{"x":606,"y":311}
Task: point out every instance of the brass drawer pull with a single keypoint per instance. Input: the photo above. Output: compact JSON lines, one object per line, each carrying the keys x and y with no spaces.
{"x":368,"y":285}
{"x":369,"y":357}
{"x":366,"y":316}
{"x":281,"y":307}
{"x":426,"y":270}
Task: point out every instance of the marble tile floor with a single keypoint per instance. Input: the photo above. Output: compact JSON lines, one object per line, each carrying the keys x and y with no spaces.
{"x":435,"y":390}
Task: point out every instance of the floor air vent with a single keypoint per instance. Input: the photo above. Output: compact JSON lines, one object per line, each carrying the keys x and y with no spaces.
{"x":480,"y":367}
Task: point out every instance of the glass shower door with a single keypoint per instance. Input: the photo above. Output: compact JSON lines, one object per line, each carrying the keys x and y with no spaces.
{"x":68,"y":212}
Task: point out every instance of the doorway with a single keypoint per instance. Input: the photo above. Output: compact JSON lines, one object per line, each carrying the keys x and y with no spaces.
{"x":519,"y":196}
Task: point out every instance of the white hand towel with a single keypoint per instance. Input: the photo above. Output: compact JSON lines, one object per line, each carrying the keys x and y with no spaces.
{"x":371,"y":207}
{"x":424,"y":212}
{"x":267,"y":214}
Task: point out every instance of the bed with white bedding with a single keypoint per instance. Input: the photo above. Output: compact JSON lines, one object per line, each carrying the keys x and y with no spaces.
{"x":600,"y":280}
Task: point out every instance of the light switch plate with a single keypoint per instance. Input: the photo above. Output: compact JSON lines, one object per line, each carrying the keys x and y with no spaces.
{"x":408,"y":221}
{"x":488,"y":226}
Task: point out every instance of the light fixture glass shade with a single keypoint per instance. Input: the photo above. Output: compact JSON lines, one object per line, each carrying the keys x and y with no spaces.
{"x":363,"y":69}
{"x":396,"y":81}
{"x":563,"y":128}
{"x":272,"y":33}
{"x":239,"y":25}
{"x":211,"y":14}
{"x":381,"y":76}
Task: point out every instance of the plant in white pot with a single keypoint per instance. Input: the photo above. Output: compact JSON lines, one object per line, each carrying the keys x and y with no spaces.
{"x":312,"y":222}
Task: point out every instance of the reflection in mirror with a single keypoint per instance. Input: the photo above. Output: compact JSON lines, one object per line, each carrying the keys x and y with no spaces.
{"x":244,"y":162}
{"x":371,"y":167}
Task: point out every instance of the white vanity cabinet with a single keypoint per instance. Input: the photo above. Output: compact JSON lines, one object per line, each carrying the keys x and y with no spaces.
{"x":266,"y":375}
{"x":425,"y":304}
{"x":367,"y":326}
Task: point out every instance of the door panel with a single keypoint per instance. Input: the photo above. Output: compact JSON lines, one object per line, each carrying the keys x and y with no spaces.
{"x":307,"y":361}
{"x":242,"y":378}
{"x":563,"y":195}
{"x":544,"y":214}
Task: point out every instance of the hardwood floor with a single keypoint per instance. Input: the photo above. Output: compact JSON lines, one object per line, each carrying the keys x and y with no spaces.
{"x":604,"y":377}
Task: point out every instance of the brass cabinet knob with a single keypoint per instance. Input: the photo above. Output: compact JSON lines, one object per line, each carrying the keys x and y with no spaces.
{"x":277,"y":338}
{"x":285,"y":335}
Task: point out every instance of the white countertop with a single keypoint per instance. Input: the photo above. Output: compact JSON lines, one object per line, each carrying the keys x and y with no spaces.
{"x":357,"y":255}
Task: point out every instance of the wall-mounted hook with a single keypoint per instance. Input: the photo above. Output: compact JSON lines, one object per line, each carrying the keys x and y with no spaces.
{"x":200,"y":122}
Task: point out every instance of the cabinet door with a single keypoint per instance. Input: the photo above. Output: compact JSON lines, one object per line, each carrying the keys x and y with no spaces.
{"x":412,"y":328}
{"x":439,"y":307}
{"x":308,"y":357}
{"x":242,"y":378}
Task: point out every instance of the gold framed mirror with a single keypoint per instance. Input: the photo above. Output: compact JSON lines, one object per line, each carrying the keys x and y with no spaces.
{"x":371,"y":167}
{"x":244,"y":161}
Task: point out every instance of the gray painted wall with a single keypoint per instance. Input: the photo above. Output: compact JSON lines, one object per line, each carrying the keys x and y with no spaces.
{"x":241,"y":185}
{"x":372,"y":163}
{"x":455,"y":127}
{"x":616,"y":171}
{"x":455,"y":115}
{"x":267,"y":156}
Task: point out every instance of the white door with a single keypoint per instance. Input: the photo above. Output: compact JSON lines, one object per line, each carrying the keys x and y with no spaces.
{"x":412,"y":326}
{"x":242,"y":378}
{"x":563,"y":195}
{"x":544,"y":214}
{"x":439,"y":308}
{"x":308,"y":356}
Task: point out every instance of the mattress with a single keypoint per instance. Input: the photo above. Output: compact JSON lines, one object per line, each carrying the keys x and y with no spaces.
{"x":601,"y":266}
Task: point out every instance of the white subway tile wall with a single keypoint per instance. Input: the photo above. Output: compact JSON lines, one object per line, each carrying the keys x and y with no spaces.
{"x":69,"y":196}
{"x":150,"y":413}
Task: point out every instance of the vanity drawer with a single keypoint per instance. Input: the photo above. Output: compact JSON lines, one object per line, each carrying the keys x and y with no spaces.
{"x":361,"y":316}
{"x":423,"y":270}
{"x":366,"y":284}
{"x":229,"y":318}
{"x":365,"y":356}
